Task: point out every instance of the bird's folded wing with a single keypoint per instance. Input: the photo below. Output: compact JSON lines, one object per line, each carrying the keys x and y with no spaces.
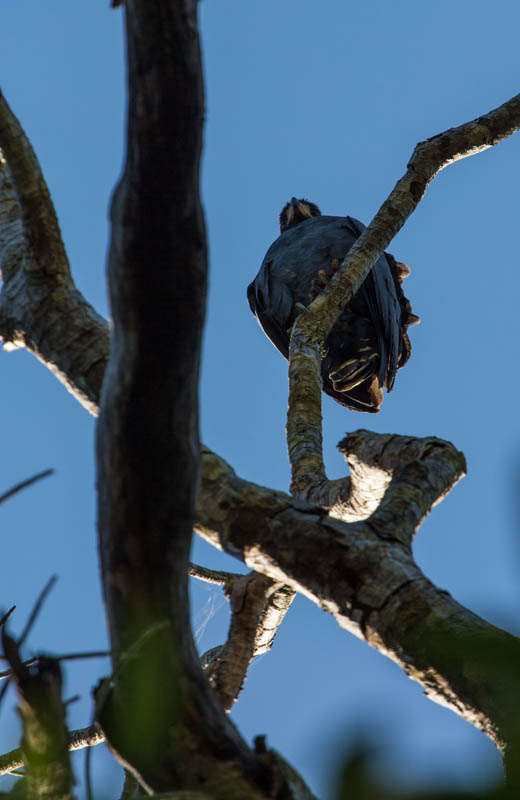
{"x":271,"y":302}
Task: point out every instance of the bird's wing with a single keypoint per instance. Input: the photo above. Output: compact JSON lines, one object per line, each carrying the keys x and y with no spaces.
{"x":378,"y":291}
{"x":271,"y":302}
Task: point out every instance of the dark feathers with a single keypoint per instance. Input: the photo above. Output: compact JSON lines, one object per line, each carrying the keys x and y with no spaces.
{"x":368,"y":344}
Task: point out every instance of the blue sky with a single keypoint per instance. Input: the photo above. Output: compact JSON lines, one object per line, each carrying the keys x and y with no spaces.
{"x":324,"y":101}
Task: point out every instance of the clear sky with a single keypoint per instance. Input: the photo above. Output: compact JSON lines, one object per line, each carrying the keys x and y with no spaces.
{"x":323,"y":100}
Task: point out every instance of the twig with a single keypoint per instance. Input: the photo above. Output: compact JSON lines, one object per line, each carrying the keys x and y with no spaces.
{"x":79,"y":656}
{"x":8,"y":672}
{"x":24,"y":484}
{"x":36,"y":609}
{"x":6,"y":616}
{"x":218,"y":577}
{"x":30,"y":622}
{"x":70,"y":700}
{"x":77,"y":740}
{"x":66,"y":657}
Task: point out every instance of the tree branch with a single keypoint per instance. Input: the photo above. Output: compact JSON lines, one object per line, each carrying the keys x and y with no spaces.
{"x":258,"y":607}
{"x":147,"y":439}
{"x":304,"y":437}
{"x":18,"y":487}
{"x":76,"y":740}
{"x":364,"y":574}
{"x":40,"y":307}
{"x":214,"y":576}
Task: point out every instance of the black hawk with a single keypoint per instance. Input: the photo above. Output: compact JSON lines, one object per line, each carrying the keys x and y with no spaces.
{"x":368,"y":343}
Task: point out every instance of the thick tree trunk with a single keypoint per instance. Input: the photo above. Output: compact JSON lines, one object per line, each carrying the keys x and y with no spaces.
{"x":161,"y":717}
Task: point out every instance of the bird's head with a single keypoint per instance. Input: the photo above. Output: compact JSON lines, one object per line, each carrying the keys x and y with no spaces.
{"x":296,"y":211}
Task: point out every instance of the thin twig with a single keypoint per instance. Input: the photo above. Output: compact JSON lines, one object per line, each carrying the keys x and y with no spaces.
{"x":70,"y":700}
{"x":24,"y":484}
{"x":36,"y":609}
{"x":8,"y":672}
{"x":218,"y":577}
{"x":4,"y":619}
{"x":78,"y":656}
{"x":6,"y":616}
{"x":82,"y":737}
{"x":65,"y":657}
{"x":30,"y":622}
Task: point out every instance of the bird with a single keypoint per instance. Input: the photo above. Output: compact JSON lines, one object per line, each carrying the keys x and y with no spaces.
{"x":369,"y":341}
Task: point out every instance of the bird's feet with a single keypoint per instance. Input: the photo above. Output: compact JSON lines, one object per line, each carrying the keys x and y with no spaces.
{"x":322,"y":278}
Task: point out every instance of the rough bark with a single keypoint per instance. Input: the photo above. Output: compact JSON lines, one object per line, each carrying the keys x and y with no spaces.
{"x":258,"y":607}
{"x":304,"y":437}
{"x":363,"y":573}
{"x":147,"y":439}
{"x":40,"y":307}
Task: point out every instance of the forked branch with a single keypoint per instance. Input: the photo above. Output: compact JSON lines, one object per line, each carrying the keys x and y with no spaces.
{"x":304,"y":436}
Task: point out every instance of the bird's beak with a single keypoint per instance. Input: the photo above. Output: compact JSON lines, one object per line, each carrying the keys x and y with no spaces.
{"x":302,"y":209}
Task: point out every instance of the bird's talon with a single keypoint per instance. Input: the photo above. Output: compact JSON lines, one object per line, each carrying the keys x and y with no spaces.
{"x":334,"y":266}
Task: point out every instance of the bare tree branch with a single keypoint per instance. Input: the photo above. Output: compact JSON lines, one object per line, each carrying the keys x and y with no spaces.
{"x":78,"y":739}
{"x":304,"y":436}
{"x":65,"y":657}
{"x":40,"y":307}
{"x":6,"y":616}
{"x":217,"y":577}
{"x":29,"y":624}
{"x":18,"y":487}
{"x":39,"y":217}
{"x":364,"y":574}
{"x":258,"y":607}
{"x":33,"y":616}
